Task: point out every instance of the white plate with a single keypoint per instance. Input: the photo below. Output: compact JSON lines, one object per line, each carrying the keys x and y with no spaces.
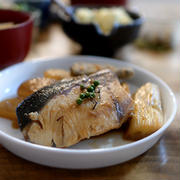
{"x":97,"y":152}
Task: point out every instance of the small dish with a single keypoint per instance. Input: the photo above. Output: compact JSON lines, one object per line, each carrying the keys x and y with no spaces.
{"x":93,"y":41}
{"x":102,"y":151}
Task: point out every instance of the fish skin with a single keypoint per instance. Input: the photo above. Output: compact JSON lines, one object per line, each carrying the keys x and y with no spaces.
{"x":36,"y":101}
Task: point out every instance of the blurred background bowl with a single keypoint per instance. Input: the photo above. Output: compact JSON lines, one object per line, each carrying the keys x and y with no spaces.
{"x":34,"y":6}
{"x":96,"y":43}
{"x":14,"y":41}
{"x":115,"y":2}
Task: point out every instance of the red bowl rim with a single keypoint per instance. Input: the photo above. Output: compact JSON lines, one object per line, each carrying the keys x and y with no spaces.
{"x":19,"y":25}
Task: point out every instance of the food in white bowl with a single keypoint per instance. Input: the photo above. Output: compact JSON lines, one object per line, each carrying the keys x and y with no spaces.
{"x":110,"y":148}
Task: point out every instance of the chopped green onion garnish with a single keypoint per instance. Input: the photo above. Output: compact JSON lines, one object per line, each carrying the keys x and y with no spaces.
{"x":93,"y":86}
{"x":87,"y":94}
{"x":79,"y":101}
{"x":96,"y":83}
{"x":82,"y":86}
{"x":82,"y":95}
{"x":90,"y":89}
{"x":92,"y":95}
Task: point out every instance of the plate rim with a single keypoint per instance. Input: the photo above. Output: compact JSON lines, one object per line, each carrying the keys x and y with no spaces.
{"x":97,"y":150}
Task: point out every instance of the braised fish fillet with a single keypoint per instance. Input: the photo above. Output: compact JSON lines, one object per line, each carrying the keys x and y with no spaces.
{"x":52,"y":117}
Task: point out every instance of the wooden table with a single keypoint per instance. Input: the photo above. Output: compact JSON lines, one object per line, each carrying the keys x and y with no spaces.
{"x":161,"y":162}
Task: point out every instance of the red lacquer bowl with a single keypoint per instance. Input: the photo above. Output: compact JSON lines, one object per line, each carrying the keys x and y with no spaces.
{"x":14,"y":41}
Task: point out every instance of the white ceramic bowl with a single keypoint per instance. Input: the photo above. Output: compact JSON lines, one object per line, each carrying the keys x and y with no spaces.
{"x":97,"y":152}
